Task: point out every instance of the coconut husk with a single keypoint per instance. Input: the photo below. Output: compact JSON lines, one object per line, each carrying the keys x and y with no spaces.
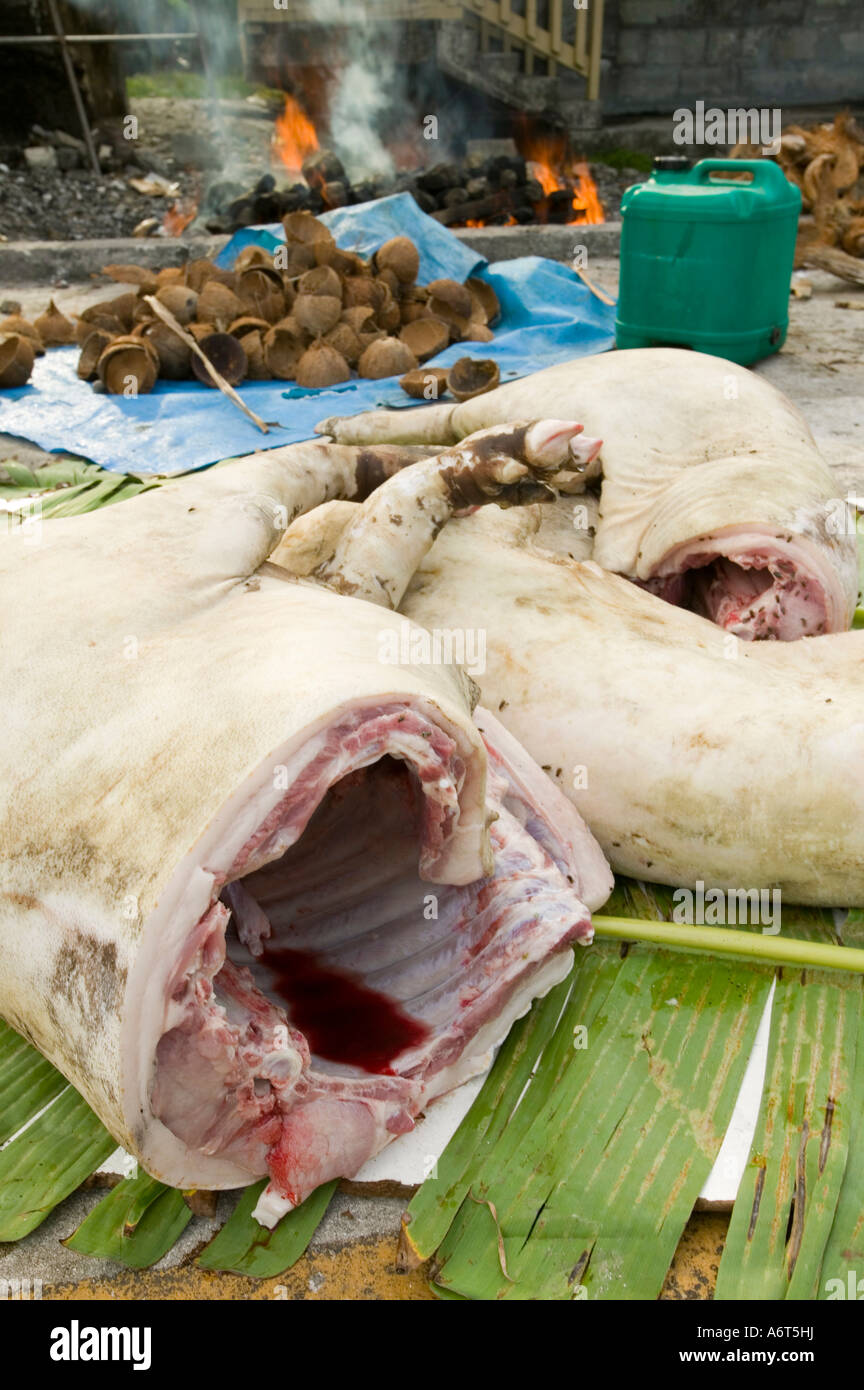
{"x":303,"y":227}
{"x":477,"y":332}
{"x":197,"y":273}
{"x":386,"y":357}
{"x":122,"y":307}
{"x":171,"y":275}
{"x":247,"y":323}
{"x":390,"y":279}
{"x":217,"y":304}
{"x":360,"y":317}
{"x":250,"y":257}
{"x":253,"y":346}
{"x":328,"y":253}
{"x":129,"y":367}
{"x":175,"y":356}
{"x":457,"y":323}
{"x":143,"y":313}
{"x":425,"y":337}
{"x":54,"y":328}
{"x":322,"y":280}
{"x":133,"y":275}
{"x":401,"y":256}
{"x":472,"y":377}
{"x":295,"y":257}
{"x":375,"y":336}
{"x":425,"y":383}
{"x":227,"y":357}
{"x":200,"y":331}
{"x":283,"y":348}
{"x":94,"y":346}
{"x":17,"y":355}
{"x":361,"y":290}
{"x":317,"y":313}
{"x":262,"y":294}
{"x":482,"y":294}
{"x":18,"y":327}
{"x":181,"y":301}
{"x":84,"y":327}
{"x":346,"y":342}
{"x":412,"y":311}
{"x":450,"y":292}
{"x":321,"y":365}
{"x":388,"y":316}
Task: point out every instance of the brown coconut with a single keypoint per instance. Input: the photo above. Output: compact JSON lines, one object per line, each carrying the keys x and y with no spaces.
{"x":54,"y":328}
{"x":477,"y":333}
{"x":322,"y":280}
{"x":261,"y":291}
{"x":390,"y":279}
{"x":17,"y":355}
{"x":197,"y":273}
{"x":450,"y":292}
{"x":321,"y":365}
{"x":360,"y":289}
{"x":84,"y":327}
{"x":401,"y":256}
{"x":94,"y":346}
{"x":472,"y":377}
{"x":129,"y":366}
{"x":252,"y":256}
{"x":317,"y":313}
{"x":122,"y":307}
{"x":294,"y":258}
{"x":147,"y":280}
{"x":425,"y":337}
{"x":283,"y":348}
{"x":200,"y":331}
{"x":345,"y":341}
{"x":181,"y":301}
{"x":328,"y":253}
{"x":171,"y":275}
{"x":219,"y":305}
{"x":360,"y":317}
{"x":303,"y":227}
{"x":248,"y":323}
{"x":17,"y":326}
{"x":388,"y":316}
{"x":175,"y":356}
{"x":386,"y":357}
{"x":227,"y":357}
{"x":253,"y":346}
{"x":457,"y":323}
{"x":425,"y":383}
{"x":483,"y":295}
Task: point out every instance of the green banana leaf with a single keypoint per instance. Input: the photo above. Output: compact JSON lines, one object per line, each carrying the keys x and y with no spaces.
{"x":244,"y":1247}
{"x":137,"y":1223}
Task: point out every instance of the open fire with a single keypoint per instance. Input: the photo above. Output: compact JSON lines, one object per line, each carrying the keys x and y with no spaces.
{"x":539,"y":182}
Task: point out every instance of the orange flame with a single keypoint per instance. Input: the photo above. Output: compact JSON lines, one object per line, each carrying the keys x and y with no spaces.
{"x":587,"y":206}
{"x":294,"y":138}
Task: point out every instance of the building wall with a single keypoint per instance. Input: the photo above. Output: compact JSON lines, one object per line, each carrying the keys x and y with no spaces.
{"x":661,"y":54}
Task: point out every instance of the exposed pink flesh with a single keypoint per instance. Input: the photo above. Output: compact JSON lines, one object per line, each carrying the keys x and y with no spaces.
{"x":336,"y":876}
{"x":753,"y":586}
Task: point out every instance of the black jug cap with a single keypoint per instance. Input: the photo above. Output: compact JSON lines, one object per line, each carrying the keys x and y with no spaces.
{"x":671,"y":163}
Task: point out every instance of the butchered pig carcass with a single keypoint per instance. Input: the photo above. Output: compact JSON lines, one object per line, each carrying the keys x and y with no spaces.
{"x":264,"y":896}
{"x":714,"y":495}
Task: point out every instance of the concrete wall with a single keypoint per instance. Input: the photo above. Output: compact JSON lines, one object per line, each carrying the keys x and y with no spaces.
{"x":660,"y":54}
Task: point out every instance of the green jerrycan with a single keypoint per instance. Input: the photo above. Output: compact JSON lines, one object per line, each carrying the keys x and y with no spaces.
{"x":706,"y":258}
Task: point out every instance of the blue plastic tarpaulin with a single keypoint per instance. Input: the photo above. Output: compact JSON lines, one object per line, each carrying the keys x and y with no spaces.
{"x":547,"y":316}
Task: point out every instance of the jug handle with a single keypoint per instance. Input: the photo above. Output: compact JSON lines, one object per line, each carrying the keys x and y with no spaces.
{"x":764,"y":171}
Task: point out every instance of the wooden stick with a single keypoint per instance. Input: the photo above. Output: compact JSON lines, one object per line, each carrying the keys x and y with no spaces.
{"x":832,"y":259}
{"x":168,"y":318}
{"x":589,"y":284}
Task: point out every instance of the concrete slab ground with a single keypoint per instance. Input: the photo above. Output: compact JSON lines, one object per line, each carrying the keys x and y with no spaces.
{"x":354,"y":1253}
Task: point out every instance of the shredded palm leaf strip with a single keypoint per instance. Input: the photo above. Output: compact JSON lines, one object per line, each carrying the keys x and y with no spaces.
{"x":69,"y":487}
{"x":41,"y":1166}
{"x":843,"y":1261}
{"x":244,"y":1247}
{"x":137,"y":1223}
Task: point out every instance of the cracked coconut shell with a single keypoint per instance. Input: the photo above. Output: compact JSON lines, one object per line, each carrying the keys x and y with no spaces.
{"x":472,"y":377}
{"x":54,"y":328}
{"x":317,"y":313}
{"x":129,"y":366}
{"x":303,"y":227}
{"x":94,"y":346}
{"x":227,"y":357}
{"x":386,"y":357}
{"x":284,"y":345}
{"x":322,"y":280}
{"x":425,"y":337}
{"x":486,"y":306}
{"x":219,"y":305}
{"x":175,"y":356}
{"x":400,"y":255}
{"x":181,"y":301}
{"x":17,"y":355}
{"x":321,"y":365}
{"x":425,"y":383}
